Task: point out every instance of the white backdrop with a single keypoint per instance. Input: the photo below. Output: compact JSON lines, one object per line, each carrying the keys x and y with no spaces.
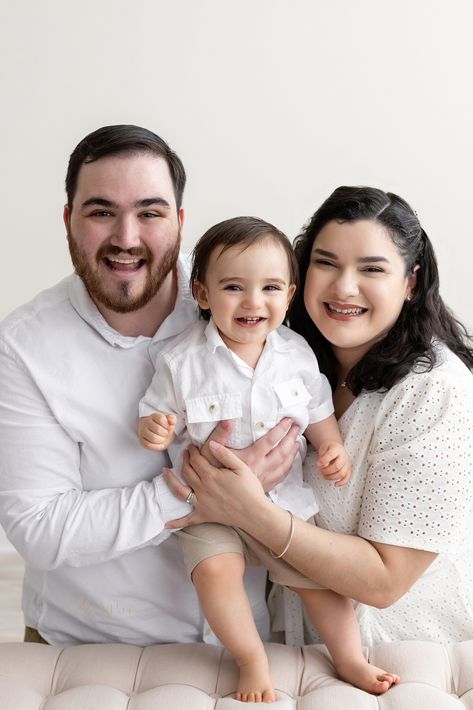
{"x":270,"y":103}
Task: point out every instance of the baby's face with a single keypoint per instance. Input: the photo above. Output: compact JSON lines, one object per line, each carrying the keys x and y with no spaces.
{"x":247,"y":291}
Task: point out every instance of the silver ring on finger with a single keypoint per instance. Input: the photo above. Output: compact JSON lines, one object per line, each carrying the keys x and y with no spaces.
{"x":190,"y":498}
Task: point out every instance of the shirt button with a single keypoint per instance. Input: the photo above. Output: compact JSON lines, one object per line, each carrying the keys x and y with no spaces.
{"x":295,"y":393}
{"x":212,"y":408}
{"x":259,"y":425}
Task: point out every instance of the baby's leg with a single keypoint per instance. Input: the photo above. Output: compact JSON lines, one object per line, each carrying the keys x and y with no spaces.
{"x":222,"y":595}
{"x":336,"y":621}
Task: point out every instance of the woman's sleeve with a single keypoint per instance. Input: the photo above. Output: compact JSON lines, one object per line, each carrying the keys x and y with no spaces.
{"x":419,"y":487}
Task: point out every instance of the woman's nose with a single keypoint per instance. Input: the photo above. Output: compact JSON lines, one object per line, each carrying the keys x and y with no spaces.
{"x":346,"y":284}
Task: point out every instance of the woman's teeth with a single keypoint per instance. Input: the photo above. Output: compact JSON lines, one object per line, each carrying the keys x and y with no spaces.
{"x":346,"y":311}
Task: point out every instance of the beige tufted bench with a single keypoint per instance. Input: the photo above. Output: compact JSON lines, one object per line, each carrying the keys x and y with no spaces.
{"x":201,"y":677}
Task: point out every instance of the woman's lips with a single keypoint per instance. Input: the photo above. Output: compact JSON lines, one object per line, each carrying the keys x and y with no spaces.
{"x":345,"y":311}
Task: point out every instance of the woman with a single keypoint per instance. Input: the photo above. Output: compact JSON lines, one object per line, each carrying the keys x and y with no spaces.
{"x":398,"y":539}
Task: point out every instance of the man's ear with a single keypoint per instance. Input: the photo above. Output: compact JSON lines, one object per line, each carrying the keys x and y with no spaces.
{"x":180,"y":216}
{"x":66,"y":216}
{"x":200,"y":294}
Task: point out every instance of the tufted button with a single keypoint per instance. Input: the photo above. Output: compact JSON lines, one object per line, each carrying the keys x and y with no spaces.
{"x":212,"y":408}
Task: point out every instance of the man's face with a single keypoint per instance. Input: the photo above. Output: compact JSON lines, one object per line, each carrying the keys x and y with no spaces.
{"x":124,"y":229}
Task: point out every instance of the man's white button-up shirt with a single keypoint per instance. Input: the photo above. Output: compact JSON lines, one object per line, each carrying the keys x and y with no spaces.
{"x":80,"y":499}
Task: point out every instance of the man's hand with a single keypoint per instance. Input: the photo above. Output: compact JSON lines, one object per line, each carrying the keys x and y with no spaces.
{"x":270,"y":458}
{"x":156,"y":431}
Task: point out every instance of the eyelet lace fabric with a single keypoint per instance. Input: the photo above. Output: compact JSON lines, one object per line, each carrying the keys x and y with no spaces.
{"x":411,"y":486}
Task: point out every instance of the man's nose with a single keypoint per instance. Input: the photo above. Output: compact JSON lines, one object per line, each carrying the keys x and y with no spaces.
{"x":126,"y":234}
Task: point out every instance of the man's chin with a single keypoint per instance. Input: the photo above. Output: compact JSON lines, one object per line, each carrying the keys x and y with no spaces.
{"x":123,"y":297}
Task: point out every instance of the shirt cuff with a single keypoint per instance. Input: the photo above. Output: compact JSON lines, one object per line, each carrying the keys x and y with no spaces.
{"x":170,"y":505}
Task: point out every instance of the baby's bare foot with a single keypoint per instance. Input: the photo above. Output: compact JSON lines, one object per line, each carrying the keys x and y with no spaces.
{"x":255,"y":684}
{"x":366,"y":676}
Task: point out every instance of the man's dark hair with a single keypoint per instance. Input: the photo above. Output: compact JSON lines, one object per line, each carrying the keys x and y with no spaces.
{"x":238,"y":231}
{"x":113,"y":140}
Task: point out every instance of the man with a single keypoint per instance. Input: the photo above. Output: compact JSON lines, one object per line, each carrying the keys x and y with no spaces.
{"x":80,"y":500}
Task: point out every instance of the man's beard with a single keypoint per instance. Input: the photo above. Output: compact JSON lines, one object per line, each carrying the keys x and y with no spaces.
{"x":121,"y":299}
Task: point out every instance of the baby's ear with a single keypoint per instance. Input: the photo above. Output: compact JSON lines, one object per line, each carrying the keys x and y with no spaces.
{"x":200,"y":294}
{"x":290,"y":293}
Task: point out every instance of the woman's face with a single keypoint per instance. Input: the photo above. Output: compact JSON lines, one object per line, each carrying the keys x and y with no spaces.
{"x":355,"y":286}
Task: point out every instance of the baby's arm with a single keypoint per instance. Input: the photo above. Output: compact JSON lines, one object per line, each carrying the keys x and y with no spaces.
{"x":333,"y":461}
{"x":156,"y":431}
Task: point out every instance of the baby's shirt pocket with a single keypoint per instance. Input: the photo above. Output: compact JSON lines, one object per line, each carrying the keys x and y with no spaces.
{"x":203,"y":413}
{"x":293,"y":399}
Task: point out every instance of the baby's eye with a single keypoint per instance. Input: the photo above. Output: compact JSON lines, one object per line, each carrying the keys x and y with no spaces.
{"x":272,"y":287}
{"x":232,"y":287}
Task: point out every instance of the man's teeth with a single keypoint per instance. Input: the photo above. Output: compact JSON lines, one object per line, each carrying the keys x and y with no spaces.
{"x":346,"y":311}
{"x":117,"y":260}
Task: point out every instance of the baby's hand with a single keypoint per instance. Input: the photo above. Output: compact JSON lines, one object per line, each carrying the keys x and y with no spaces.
{"x":334,"y":462}
{"x":156,"y":431}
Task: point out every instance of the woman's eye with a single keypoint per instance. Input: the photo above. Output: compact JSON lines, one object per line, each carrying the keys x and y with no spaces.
{"x":373,"y":270}
{"x":324,"y":262}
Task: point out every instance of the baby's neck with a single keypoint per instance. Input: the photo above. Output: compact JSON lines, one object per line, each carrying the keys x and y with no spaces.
{"x":248,"y":352}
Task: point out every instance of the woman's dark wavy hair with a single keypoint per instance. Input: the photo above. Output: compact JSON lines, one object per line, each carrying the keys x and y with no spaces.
{"x":425,"y":318}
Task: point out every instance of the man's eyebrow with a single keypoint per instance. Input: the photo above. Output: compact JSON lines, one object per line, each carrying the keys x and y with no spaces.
{"x":361,"y":259}
{"x":99,"y":201}
{"x":147,"y":202}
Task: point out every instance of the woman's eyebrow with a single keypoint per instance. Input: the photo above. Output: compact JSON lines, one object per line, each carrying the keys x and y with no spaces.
{"x":322,"y":252}
{"x":361,"y":259}
{"x":366,"y":259}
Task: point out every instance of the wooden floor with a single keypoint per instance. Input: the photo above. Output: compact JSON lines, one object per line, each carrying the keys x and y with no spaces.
{"x":11,"y":577}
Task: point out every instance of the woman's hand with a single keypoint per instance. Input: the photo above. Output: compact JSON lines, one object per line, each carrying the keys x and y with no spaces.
{"x":270,"y":458}
{"x":222,"y":495}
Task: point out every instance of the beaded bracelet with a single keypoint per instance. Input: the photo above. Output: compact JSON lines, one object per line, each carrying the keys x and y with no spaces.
{"x":289,"y":540}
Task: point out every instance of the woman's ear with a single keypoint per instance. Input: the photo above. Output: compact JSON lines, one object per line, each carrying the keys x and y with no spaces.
{"x":200,"y":294}
{"x":412,"y":282}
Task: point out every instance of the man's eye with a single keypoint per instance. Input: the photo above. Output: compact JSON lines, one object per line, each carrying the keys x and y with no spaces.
{"x":150,"y":215}
{"x":101,"y":213}
{"x":373,"y":270}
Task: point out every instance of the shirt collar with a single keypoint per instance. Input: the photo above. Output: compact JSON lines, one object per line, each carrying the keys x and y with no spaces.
{"x":274,"y":340}
{"x":183,"y":315}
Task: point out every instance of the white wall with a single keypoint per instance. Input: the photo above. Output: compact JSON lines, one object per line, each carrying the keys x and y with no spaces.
{"x":270,"y":103}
